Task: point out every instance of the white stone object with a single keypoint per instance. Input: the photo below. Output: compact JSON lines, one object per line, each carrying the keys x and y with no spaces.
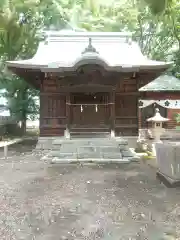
{"x":157,"y":129}
{"x":168,"y":160}
{"x":157,"y":121}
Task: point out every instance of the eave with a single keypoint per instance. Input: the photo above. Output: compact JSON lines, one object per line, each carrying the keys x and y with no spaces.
{"x":73,"y":68}
{"x":31,"y":76}
{"x":164,"y":83}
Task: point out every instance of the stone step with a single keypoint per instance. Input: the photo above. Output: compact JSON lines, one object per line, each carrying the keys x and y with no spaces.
{"x":88,"y":134}
{"x":84,"y":141}
{"x":83,"y":149}
{"x":92,"y":152}
{"x":90,"y":129}
{"x":57,"y":160}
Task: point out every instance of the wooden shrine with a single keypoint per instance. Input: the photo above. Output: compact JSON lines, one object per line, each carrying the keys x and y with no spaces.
{"x":88,"y":82}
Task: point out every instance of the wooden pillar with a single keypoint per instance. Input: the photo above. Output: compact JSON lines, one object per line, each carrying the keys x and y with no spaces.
{"x":41,"y":113}
{"x":139,"y":121}
{"x":112,"y":113}
{"x":139,"y":118}
{"x":42,"y":105}
{"x":68,"y":115}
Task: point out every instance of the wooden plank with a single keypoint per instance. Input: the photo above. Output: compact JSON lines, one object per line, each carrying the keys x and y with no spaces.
{"x":128,"y":93}
{"x":126,"y":125}
{"x":5,"y":145}
{"x":126,"y":117}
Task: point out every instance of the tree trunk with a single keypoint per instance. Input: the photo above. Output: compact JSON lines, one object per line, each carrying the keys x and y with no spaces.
{"x":23,"y":114}
{"x":23,"y":126}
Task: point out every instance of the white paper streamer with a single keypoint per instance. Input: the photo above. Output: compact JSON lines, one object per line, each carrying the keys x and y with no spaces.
{"x":81,"y":108}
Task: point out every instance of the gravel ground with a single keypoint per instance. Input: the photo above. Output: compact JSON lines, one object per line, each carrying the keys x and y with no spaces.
{"x":54,"y":202}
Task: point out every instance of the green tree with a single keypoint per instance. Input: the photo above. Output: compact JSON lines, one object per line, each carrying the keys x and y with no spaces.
{"x":18,"y":39}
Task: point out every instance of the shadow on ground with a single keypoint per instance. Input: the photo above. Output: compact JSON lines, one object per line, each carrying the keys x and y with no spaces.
{"x":27,"y":146}
{"x":54,"y":202}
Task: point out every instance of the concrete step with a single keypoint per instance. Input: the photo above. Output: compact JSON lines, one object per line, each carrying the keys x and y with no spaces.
{"x":89,"y":134}
{"x":88,"y":161}
{"x":83,"y":152}
{"x":100,"y":149}
{"x":100,"y":141}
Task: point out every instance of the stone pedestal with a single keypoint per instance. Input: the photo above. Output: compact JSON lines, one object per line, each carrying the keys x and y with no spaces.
{"x":168,"y":160}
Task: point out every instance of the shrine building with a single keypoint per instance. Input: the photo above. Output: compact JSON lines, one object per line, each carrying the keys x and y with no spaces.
{"x":162,"y":93}
{"x":89,"y":82}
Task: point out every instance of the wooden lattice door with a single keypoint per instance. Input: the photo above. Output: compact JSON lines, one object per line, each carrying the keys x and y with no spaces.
{"x":90,"y":110}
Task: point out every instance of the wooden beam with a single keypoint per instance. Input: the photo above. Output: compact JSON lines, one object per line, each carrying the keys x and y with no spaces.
{"x":128,"y":93}
{"x":112,"y":110}
{"x":126,"y":125}
{"x":68,"y":111}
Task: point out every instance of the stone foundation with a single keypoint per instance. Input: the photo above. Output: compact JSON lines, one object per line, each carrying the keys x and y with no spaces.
{"x":85,"y":149}
{"x":47,"y":143}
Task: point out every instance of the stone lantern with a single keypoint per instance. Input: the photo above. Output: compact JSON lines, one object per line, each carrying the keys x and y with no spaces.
{"x":157,"y":128}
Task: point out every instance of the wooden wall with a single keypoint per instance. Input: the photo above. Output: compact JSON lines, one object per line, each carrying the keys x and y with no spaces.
{"x":126,"y":100}
{"x":52,"y":109}
{"x":127,"y":97}
{"x":53,"y":102}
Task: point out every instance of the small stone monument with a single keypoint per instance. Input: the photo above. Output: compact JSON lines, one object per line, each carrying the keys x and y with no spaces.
{"x":157,"y":128}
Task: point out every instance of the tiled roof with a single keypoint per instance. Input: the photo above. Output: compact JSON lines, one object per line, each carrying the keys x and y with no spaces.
{"x":162,"y":83}
{"x":67,"y":50}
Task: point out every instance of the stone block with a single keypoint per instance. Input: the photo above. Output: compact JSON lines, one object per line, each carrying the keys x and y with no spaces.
{"x":168,"y":159}
{"x":110,"y":150}
{"x":123,"y":147}
{"x":103,"y":143}
{"x":88,"y":149}
{"x":63,"y":161}
{"x":127,"y":153}
{"x":121,"y":141}
{"x":88,"y":155}
{"x":112,"y":155}
{"x":68,"y":148}
{"x":58,"y":154}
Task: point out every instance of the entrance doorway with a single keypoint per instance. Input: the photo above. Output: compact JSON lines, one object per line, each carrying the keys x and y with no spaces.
{"x":89,"y":110}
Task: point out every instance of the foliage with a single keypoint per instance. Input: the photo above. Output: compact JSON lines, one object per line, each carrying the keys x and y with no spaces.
{"x":177,"y":117}
{"x":18,"y":39}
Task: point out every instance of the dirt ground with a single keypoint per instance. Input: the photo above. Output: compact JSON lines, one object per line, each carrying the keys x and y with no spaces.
{"x":54,"y":202}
